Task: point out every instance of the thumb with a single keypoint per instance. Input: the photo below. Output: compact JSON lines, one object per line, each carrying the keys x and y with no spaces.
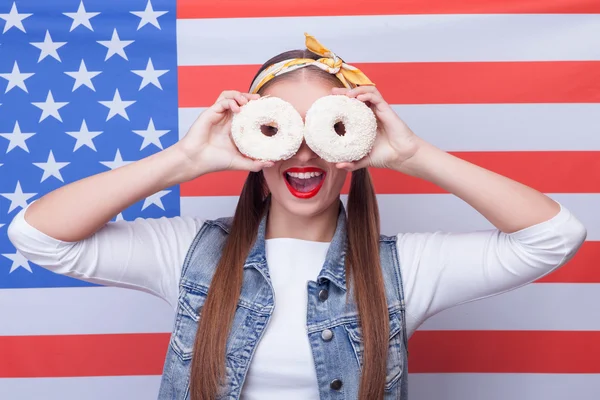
{"x":353,"y":166}
{"x":248,"y":164}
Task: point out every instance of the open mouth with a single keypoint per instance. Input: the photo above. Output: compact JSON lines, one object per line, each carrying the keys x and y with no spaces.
{"x":304,"y":183}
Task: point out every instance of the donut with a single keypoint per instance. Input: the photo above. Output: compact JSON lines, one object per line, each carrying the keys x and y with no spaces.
{"x":340,"y":129}
{"x":267,"y":129}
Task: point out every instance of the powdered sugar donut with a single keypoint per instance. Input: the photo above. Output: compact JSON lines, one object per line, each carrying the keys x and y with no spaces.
{"x":267,"y":129}
{"x":340,"y":129}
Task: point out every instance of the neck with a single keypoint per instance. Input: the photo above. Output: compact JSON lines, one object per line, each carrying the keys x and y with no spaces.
{"x":284,"y":224}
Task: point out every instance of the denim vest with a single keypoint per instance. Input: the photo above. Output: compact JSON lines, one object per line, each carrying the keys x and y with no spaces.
{"x":332,"y":325}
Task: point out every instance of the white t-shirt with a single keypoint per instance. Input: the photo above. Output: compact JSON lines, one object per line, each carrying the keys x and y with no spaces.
{"x":439,"y":270}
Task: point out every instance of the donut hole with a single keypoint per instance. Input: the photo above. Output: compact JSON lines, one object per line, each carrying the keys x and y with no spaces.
{"x":340,"y":128}
{"x":269,"y":129}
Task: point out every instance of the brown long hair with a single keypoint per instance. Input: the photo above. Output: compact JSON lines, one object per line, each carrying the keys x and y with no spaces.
{"x":362,"y":269}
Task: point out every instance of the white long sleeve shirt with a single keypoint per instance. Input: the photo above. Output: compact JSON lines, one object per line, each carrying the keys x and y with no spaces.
{"x":439,"y":271}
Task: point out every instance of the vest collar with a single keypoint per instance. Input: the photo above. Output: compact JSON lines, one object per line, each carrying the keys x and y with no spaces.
{"x":334,"y":268}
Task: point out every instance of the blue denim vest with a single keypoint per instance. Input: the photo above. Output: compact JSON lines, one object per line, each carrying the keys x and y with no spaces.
{"x":337,"y":353}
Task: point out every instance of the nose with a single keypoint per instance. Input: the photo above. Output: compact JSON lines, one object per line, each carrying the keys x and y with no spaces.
{"x":304,"y":153}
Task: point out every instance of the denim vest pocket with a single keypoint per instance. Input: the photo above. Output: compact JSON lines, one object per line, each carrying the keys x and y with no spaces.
{"x":395,"y":360}
{"x":191,"y":301}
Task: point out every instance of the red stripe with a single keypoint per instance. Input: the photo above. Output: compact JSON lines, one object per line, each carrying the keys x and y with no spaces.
{"x":583,"y":268}
{"x":270,"y":8}
{"x":505,"y":352}
{"x":430,"y":352}
{"x":82,"y":355}
{"x":429,"y":83}
{"x":546,"y":171}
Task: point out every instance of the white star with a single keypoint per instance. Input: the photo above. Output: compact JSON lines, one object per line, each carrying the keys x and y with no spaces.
{"x":17,"y":198}
{"x":84,"y":137}
{"x":83,"y":77}
{"x":17,"y":138}
{"x":50,"y":107}
{"x":13,"y":18}
{"x":117,"y":106}
{"x":81,"y":17}
{"x":1,"y":225}
{"x":48,"y":47}
{"x":115,"y":45}
{"x":18,"y":261}
{"x":16,"y":78}
{"x":51,"y":168}
{"x":151,"y":135}
{"x":148,"y":16}
{"x":119,"y":217}
{"x":155,"y":199}
{"x":150,"y":75}
{"x":117,"y":162}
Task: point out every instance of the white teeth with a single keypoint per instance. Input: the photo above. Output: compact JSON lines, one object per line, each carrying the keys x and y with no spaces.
{"x":304,"y":175}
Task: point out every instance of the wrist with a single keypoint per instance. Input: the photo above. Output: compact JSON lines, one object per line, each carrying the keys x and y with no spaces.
{"x":429,"y":163}
{"x":179,"y":166}
{"x":410,"y":158}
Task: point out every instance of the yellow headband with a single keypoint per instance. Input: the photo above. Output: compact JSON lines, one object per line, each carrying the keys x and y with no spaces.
{"x":349,"y":76}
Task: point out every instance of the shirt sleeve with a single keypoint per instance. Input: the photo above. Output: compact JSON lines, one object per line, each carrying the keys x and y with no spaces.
{"x":441,"y":270}
{"x":144,"y":254}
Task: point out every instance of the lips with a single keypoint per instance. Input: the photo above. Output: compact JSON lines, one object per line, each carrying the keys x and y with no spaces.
{"x":305,"y":182}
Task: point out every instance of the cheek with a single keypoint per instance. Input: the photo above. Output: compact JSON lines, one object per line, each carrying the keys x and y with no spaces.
{"x":272,"y":175}
{"x":337,"y":178}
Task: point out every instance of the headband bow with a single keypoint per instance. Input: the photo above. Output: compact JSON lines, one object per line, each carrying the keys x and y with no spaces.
{"x":349,"y":76}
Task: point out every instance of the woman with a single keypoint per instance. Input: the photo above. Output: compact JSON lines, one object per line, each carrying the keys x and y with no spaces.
{"x":347,"y":297}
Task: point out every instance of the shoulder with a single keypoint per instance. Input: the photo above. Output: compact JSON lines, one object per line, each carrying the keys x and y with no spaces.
{"x":211,"y":234}
{"x":222,"y":223}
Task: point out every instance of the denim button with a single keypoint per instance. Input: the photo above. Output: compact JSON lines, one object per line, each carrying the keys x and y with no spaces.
{"x":336,"y":384}
{"x":326,"y":335}
{"x":323,"y":294}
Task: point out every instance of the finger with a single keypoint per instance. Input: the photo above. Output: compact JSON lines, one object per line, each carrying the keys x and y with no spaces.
{"x":362,"y":90}
{"x":372,"y":98}
{"x":251,"y":96}
{"x":233,"y":105}
{"x":227,"y":94}
{"x":221,"y":106}
{"x":353,"y":166}
{"x":241,"y":99}
{"x":340,"y":90}
{"x":247,"y":164}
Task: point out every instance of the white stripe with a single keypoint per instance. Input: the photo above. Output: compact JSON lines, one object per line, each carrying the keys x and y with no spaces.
{"x":504,"y":386}
{"x":421,"y":387}
{"x":491,"y":127}
{"x":408,"y":38}
{"x":64,"y":311}
{"x":418,"y":212}
{"x":88,"y":388}
{"x":547,"y":306}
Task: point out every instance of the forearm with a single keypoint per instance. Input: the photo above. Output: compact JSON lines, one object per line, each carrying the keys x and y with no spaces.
{"x":509,"y":205}
{"x":77,"y":210}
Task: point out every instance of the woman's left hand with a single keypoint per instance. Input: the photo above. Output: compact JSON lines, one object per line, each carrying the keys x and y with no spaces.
{"x":395,"y":142}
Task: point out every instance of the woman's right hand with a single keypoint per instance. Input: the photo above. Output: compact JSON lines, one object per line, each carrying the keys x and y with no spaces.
{"x":208,"y":144}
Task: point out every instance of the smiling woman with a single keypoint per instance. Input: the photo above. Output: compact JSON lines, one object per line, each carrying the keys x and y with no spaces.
{"x":296,"y":296}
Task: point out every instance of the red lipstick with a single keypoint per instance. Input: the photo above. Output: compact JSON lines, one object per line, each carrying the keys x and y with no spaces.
{"x":299,"y":194}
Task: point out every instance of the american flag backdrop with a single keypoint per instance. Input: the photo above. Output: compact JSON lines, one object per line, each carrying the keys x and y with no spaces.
{"x":512,"y":85}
